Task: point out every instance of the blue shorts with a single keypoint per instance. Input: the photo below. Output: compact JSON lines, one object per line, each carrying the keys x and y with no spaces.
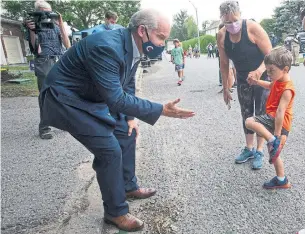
{"x":179,"y":67}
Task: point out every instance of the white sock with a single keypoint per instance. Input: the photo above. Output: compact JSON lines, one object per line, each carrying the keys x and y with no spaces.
{"x":271,"y":139}
{"x":281,"y":178}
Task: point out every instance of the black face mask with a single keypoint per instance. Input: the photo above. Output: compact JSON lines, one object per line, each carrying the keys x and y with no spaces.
{"x":151,"y":50}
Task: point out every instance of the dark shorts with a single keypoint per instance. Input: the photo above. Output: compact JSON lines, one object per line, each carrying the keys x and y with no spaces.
{"x":252,"y":100}
{"x":179,"y":67}
{"x":269,"y":123}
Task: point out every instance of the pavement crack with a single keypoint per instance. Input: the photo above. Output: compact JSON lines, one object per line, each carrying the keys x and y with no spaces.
{"x":78,"y":204}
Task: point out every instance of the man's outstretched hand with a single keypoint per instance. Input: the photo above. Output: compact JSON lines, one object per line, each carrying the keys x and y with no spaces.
{"x":171,"y":110}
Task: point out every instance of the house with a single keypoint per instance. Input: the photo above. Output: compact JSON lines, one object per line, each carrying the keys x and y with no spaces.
{"x":212,"y":29}
{"x":13,"y":45}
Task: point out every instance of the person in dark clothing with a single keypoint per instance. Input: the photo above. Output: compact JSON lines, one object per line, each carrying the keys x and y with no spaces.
{"x":246,"y":43}
{"x":273,"y":40}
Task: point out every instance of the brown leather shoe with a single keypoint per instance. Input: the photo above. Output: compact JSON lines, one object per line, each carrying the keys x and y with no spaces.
{"x":141,"y":193}
{"x":126,"y":222}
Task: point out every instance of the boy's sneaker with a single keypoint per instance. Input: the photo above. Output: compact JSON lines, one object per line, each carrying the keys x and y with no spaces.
{"x":274,"y":149}
{"x":179,"y":82}
{"x":258,"y":160}
{"x":245,"y":155}
{"x":275,"y":183}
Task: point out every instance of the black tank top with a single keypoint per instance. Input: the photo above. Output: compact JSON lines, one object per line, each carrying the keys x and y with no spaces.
{"x":245,"y":54}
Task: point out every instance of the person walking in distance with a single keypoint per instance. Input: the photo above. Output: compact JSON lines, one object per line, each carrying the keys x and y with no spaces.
{"x":190,"y":51}
{"x":178,"y":60}
{"x":295,"y":49}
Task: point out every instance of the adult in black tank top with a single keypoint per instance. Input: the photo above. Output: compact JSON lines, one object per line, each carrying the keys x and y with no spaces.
{"x":246,"y":43}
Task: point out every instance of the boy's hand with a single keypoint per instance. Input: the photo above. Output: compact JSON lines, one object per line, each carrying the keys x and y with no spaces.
{"x":254,"y":76}
{"x":252,"y":81}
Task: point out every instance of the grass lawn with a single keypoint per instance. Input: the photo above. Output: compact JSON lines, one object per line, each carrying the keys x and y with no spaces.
{"x":24,"y":89}
{"x":16,"y":68}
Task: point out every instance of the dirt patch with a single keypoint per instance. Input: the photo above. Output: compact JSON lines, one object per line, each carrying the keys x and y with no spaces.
{"x":19,"y":90}
{"x":160,"y":216}
{"x":6,"y":75}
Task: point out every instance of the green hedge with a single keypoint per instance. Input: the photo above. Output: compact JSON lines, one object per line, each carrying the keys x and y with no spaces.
{"x":204,"y":41}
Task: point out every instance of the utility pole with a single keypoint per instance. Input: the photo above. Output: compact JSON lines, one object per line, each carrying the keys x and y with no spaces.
{"x":198,"y":37}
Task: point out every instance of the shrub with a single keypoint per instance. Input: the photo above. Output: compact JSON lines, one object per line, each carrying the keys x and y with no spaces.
{"x":204,"y":41}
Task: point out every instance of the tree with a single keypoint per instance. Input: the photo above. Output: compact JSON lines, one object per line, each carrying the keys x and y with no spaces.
{"x":82,"y":14}
{"x":205,"y":25}
{"x":179,"y":29}
{"x":16,"y":9}
{"x":287,"y":17}
{"x":191,"y":27}
{"x":268,"y":25}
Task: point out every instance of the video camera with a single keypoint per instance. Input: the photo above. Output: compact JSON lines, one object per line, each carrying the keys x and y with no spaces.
{"x":42,"y":19}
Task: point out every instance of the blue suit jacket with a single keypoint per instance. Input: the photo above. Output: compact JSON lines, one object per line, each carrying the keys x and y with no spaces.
{"x":91,"y":79}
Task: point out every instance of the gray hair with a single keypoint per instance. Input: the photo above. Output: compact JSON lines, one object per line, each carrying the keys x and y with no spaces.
{"x":42,"y":4}
{"x":148,"y":17}
{"x":229,"y":7}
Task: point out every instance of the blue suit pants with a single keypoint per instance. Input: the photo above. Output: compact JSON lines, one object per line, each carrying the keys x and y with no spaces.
{"x":114,"y":163}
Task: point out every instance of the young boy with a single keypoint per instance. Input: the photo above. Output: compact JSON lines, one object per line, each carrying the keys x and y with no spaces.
{"x":178,"y":59}
{"x":275,"y":125}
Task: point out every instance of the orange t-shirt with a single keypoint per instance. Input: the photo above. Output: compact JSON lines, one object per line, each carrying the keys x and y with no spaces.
{"x":274,"y":98}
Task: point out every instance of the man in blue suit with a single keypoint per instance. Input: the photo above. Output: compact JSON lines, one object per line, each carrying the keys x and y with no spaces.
{"x":90,"y":93}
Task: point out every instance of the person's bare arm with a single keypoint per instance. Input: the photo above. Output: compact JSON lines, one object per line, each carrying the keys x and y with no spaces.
{"x":262,"y":40}
{"x":224,"y":65}
{"x":258,"y":36}
{"x":224,"y":60}
{"x":32,"y":38}
{"x":64,"y":35}
{"x":264,"y":84}
{"x":280,"y":113}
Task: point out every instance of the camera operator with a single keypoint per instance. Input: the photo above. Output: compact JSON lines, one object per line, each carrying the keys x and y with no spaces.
{"x":47,"y":46}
